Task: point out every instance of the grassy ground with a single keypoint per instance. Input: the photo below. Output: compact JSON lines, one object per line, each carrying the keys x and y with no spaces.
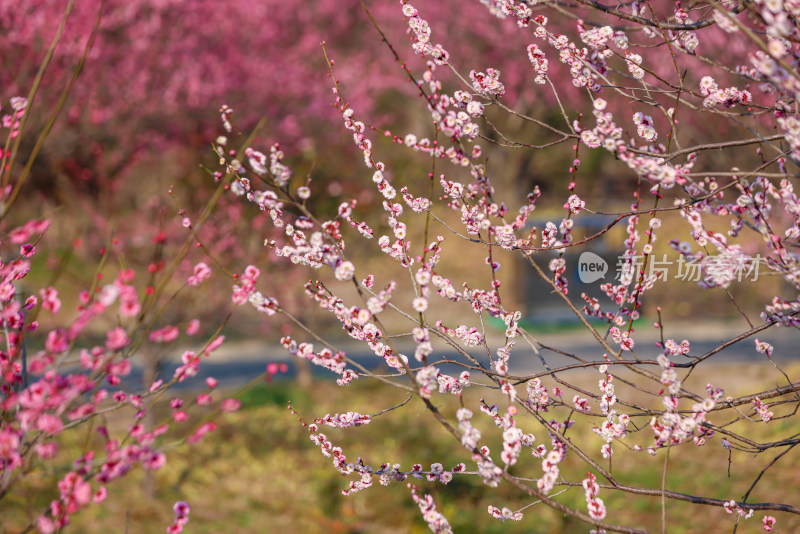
{"x":260,"y":473}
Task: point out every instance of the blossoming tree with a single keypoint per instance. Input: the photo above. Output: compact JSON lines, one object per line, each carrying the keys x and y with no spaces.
{"x":709,"y":144}
{"x":642,"y":77}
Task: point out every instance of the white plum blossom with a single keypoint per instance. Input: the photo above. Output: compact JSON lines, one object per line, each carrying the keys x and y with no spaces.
{"x":345,"y":271}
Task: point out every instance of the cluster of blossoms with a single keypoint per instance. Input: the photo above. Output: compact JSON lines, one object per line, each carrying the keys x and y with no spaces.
{"x":271,"y":165}
{"x":634,"y":61}
{"x":508,"y":8}
{"x":181,"y":510}
{"x":609,"y":135}
{"x":501,"y":363}
{"x":513,"y":436}
{"x":791,"y":126}
{"x":597,"y":38}
{"x":550,"y":461}
{"x":453,"y":385}
{"x":763,"y":347}
{"x":673,"y":348}
{"x":426,"y":379}
{"x":333,"y":361}
{"x":608,"y":397}
{"x":190,"y":360}
{"x":724,"y":19}
{"x":669,"y":377}
{"x":672,"y":428}
{"x":610,"y":430}
{"x":539,"y":62}
{"x":421,"y":337}
{"x":778,"y":18}
{"x":597,"y":510}
{"x":727,"y":97}
{"x":469,"y":434}
{"x":356,"y":322}
{"x":504,"y":514}
{"x":773,"y":74}
{"x":386,"y":473}
{"x":201,"y":273}
{"x":436,"y":520}
{"x":731,"y":262}
{"x":782,"y":311}
{"x":585,"y":67}
{"x":574,"y":204}
{"x":344,"y":420}
{"x":644,"y":126}
{"x":12,"y":121}
{"x":422,"y":32}
{"x":487,"y":83}
{"x":45,"y":401}
{"x":762,"y":409}
{"x":340,"y":462}
{"x":469,"y":335}
{"x":538,"y":397}
{"x":437,"y":472}
{"x":580,"y":404}
{"x":732,"y":507}
{"x":487,"y":470}
{"x":622,"y":337}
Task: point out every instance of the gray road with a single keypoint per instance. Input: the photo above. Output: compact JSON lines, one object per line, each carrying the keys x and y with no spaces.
{"x":238,"y":363}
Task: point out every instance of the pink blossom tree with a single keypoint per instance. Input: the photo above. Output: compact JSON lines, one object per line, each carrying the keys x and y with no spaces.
{"x":66,"y":368}
{"x":261,"y":60}
{"x":66,"y":362}
{"x":156,"y":67}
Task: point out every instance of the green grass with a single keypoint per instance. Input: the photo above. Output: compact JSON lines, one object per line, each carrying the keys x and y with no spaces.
{"x":259,"y":472}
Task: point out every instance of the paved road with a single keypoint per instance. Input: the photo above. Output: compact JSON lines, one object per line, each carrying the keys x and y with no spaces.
{"x":238,"y":363}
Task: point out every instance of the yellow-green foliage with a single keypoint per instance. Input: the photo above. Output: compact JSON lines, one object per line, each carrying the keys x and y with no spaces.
{"x":259,"y":472}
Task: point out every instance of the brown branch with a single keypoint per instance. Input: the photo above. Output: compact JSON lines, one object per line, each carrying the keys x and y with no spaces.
{"x":652,"y":23}
{"x":727,"y":344}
